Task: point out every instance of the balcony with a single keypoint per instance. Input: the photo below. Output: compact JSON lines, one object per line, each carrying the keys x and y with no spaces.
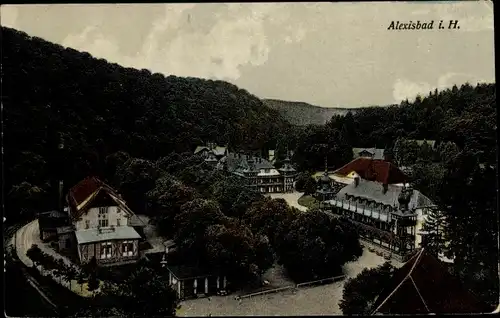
{"x":360,"y":209}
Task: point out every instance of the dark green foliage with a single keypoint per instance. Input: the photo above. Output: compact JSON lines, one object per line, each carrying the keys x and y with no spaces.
{"x":317,"y":246}
{"x":233,"y":248}
{"x":144,"y":293}
{"x":270,"y":218}
{"x":465,"y":116}
{"x":194,"y":219}
{"x":91,"y":268}
{"x":317,"y":142}
{"x":310,"y":186}
{"x":436,"y":228}
{"x":135,"y":177}
{"x":233,"y":196}
{"x":361,"y":291}
{"x":166,"y":199}
{"x":99,"y":108}
{"x":470,"y":204}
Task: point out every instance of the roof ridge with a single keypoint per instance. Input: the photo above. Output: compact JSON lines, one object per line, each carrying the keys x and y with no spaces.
{"x":390,"y":295}
{"x":400,"y":284}
{"x":419,"y":294}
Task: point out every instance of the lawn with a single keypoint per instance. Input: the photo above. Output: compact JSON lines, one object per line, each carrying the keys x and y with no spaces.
{"x":308,"y":201}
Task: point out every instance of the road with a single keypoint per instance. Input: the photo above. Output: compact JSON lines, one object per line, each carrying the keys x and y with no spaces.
{"x":291,"y":198}
{"x":29,"y":235}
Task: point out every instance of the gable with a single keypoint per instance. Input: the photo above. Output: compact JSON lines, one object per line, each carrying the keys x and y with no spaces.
{"x":101,"y":199}
{"x":423,"y":285}
{"x":103,"y":196}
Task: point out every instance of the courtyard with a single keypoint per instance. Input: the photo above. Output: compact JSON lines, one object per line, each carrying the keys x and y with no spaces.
{"x":291,"y":198}
{"x":319,"y":300}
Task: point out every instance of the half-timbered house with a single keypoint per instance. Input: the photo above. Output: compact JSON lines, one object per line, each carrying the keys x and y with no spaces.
{"x":100,"y":218}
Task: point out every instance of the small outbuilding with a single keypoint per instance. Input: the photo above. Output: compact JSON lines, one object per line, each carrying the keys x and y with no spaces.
{"x":191,"y":281}
{"x":48,"y":222}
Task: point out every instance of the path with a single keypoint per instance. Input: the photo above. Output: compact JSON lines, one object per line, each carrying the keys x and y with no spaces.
{"x":291,"y":198}
{"x":29,"y":235}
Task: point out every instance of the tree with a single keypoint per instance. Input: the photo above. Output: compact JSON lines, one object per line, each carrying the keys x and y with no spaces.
{"x":135,"y":178}
{"x":144,"y":294}
{"x":435,"y":227}
{"x":71,"y":274}
{"x":301,"y":180}
{"x":114,"y":161}
{"x":91,"y":268}
{"x":233,"y":196}
{"x":34,"y":253}
{"x":317,"y":246}
{"x":27,"y":198}
{"x":192,"y":222}
{"x":310,"y":186}
{"x":361,"y":291}
{"x":80,"y":279}
{"x":166,"y":199}
{"x":234,"y":250}
{"x":469,"y":202}
{"x":270,"y":217}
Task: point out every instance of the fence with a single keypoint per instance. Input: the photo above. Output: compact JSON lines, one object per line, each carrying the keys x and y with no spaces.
{"x":265,"y":292}
{"x":322,"y":281}
{"x":314,"y":282}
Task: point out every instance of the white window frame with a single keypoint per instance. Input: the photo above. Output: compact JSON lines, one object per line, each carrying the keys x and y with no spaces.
{"x":106,"y":247}
{"x":125,"y":250}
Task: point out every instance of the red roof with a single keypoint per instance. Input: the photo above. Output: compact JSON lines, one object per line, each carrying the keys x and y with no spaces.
{"x":374,"y":170}
{"x":83,"y":189}
{"x":423,"y":285}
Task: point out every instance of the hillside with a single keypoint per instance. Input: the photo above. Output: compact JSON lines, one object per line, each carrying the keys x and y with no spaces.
{"x":300,"y":113}
{"x":99,"y":108}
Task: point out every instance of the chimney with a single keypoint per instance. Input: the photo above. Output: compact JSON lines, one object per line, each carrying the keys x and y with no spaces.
{"x":271,"y":155}
{"x":356,"y":181}
{"x":385,"y":188}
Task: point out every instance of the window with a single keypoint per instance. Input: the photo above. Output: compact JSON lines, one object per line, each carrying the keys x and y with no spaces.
{"x":105,"y":250}
{"x":103,"y":222}
{"x":87,"y":224}
{"x":127,"y":248}
{"x":103,"y":217}
{"x":117,"y":222}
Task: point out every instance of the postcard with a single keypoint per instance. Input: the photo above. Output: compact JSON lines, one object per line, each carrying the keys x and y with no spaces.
{"x":240,"y":159}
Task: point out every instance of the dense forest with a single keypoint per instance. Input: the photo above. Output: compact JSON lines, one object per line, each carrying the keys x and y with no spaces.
{"x":53,"y":94}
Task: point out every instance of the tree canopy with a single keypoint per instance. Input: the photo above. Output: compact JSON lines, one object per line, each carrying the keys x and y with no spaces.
{"x":360,"y":292}
{"x":54,"y":95}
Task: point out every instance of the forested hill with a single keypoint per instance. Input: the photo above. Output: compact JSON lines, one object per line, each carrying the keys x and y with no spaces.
{"x":100,"y":107}
{"x":300,"y":113}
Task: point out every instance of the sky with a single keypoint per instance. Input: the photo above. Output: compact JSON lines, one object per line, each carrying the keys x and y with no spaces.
{"x":326,"y":54}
